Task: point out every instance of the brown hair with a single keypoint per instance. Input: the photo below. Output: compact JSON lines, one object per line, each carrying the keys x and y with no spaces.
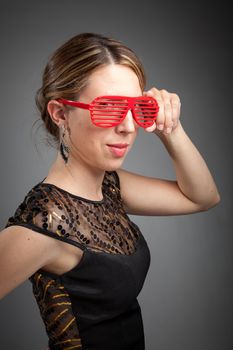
{"x":67,"y":72}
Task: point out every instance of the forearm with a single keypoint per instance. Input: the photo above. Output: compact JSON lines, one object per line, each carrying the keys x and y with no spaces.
{"x":193,"y":176}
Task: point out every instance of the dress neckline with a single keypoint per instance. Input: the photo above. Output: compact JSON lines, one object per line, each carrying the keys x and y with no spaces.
{"x":47,"y":184}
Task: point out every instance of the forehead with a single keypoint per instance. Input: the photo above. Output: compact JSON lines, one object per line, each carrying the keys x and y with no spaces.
{"x":113,"y":80}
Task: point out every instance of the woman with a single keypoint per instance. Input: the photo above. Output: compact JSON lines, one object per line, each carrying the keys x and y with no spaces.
{"x":86,"y":280}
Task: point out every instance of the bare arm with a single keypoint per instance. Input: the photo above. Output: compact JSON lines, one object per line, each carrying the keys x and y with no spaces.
{"x":194,"y":189}
{"x":22,"y":252}
{"x":193,"y":176}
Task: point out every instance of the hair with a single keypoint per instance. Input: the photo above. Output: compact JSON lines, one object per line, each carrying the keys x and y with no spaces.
{"x":70,"y":66}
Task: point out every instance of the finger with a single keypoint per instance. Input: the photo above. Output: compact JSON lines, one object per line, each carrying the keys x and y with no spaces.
{"x":168,"y":123}
{"x":150,"y":128}
{"x":164,"y":119}
{"x":153,"y":93}
{"x":160,"y":116}
{"x":168,"y":117}
{"x":176,"y":104}
{"x":153,"y":90}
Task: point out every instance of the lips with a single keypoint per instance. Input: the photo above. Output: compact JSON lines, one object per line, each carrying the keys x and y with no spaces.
{"x":119,"y":145}
{"x":118,"y":149}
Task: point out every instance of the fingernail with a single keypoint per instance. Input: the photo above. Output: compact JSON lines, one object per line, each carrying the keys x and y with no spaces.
{"x":160,"y":126}
{"x":168,"y":130}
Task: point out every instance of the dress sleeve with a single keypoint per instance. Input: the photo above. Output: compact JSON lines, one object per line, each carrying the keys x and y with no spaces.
{"x":44,"y":211}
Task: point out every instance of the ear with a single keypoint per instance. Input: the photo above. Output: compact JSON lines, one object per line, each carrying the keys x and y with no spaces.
{"x":56,"y":111}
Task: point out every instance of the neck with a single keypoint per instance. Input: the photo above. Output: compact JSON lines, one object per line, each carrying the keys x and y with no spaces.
{"x":77,"y":178}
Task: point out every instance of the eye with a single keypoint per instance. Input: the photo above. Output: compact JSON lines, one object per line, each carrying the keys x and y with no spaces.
{"x":105,"y":103}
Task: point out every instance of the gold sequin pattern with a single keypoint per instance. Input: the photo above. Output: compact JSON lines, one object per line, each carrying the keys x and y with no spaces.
{"x":56,"y":311}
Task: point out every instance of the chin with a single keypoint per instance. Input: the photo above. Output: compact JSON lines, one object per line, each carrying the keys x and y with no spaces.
{"x":111,"y":166}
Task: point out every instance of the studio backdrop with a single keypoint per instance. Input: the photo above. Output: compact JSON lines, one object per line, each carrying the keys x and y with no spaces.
{"x":185,"y":48}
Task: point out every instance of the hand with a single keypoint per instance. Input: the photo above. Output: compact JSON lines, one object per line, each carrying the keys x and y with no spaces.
{"x":169,"y":111}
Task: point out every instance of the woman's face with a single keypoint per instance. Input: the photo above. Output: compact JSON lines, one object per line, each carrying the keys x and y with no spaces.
{"x":89,"y":142}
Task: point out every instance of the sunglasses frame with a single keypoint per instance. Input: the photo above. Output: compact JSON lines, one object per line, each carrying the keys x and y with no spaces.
{"x":130,"y":100}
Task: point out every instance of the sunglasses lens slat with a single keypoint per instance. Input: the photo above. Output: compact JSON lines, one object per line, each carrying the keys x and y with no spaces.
{"x":107,"y":112}
{"x":145,"y":111}
{"x":95,"y":118}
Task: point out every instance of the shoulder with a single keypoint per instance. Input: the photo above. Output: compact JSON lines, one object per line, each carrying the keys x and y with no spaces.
{"x":37,"y":200}
{"x":47,"y":210}
{"x":44,"y":209}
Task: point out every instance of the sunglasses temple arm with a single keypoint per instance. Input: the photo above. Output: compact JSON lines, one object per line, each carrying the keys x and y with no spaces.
{"x":83,"y":105}
{"x":75,"y":103}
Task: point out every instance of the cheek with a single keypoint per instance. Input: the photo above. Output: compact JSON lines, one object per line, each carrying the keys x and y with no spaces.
{"x":87,"y":136}
{"x":79,"y":119}
{"x":79,"y":125}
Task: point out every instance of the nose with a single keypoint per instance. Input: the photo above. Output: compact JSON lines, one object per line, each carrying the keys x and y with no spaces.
{"x":128,"y":124}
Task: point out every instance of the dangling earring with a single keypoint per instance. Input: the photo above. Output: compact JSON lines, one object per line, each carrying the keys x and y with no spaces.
{"x":64,"y":149}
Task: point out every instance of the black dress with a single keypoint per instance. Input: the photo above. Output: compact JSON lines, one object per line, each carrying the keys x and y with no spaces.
{"x":94,"y":305}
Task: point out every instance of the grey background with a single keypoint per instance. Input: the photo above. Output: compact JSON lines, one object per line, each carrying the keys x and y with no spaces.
{"x":186,"y":300}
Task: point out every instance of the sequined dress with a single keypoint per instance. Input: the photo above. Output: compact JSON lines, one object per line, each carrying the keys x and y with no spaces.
{"x":94,"y":305}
